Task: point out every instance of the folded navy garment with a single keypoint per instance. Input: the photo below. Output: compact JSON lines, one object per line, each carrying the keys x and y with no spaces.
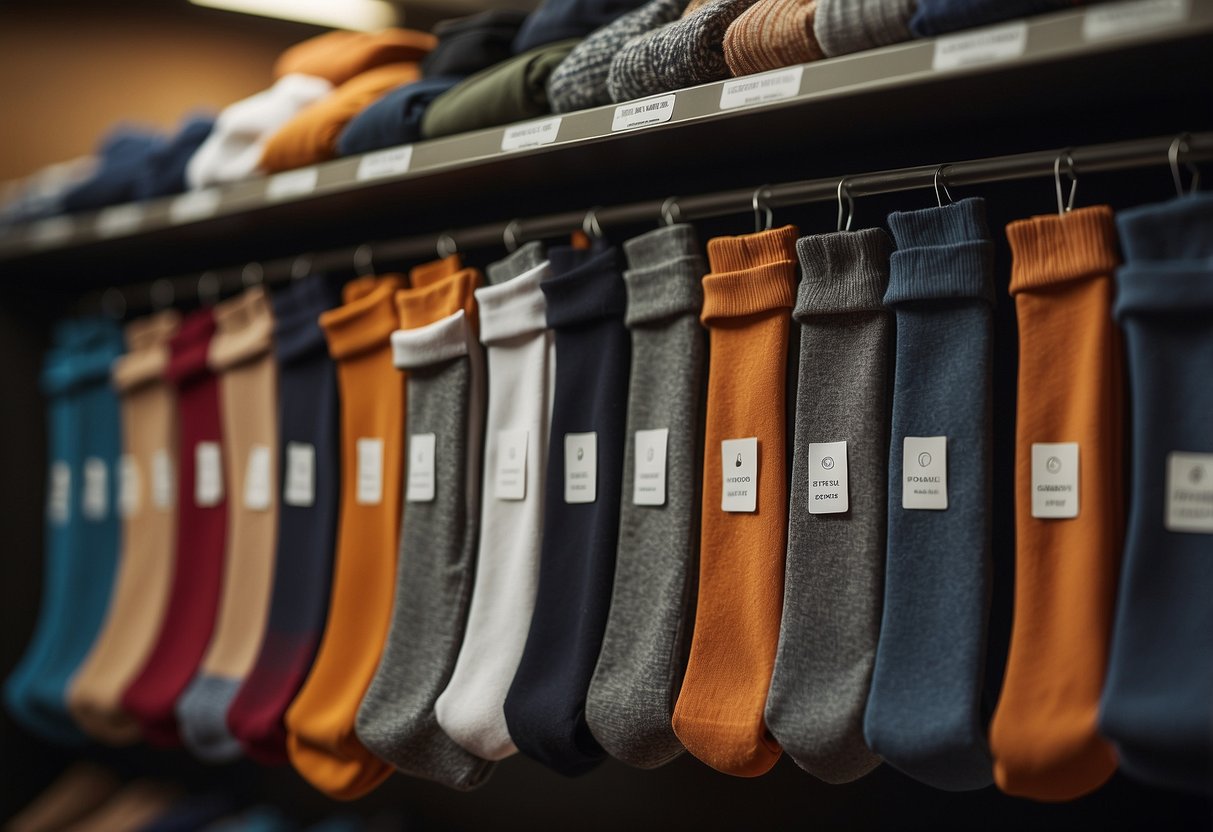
{"x":122,"y":157}
{"x":469,"y":44}
{"x":937,"y":17}
{"x":164,"y":172}
{"x":563,"y":19}
{"x":394,"y":119}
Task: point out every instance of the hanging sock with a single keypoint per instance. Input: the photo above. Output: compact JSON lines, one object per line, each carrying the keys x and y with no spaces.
{"x":437,"y":346}
{"x":924,"y":709}
{"x":545,"y":706}
{"x":772,"y":34}
{"x":648,"y":632}
{"x":521,"y":359}
{"x":1069,"y":520}
{"x":747,"y":303}
{"x":82,"y":525}
{"x":138,"y":805}
{"x":845,"y":26}
{"x":836,"y":534}
{"x":202,"y":489}
{"x":1156,"y":701}
{"x":147,"y":503}
{"x":321,"y":742}
{"x":241,"y":355}
{"x":308,"y":458}
{"x":75,"y":794}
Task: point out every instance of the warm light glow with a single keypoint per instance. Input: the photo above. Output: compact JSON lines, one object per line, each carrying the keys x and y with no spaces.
{"x":363,"y":15}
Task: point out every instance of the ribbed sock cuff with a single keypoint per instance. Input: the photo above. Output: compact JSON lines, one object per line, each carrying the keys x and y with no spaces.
{"x":244,"y":330}
{"x":751,"y":273}
{"x":665,"y":275}
{"x":960,"y":222}
{"x":962,"y":270}
{"x":188,"y":347}
{"x":584,"y":286}
{"x":1056,"y":248}
{"x":431,"y":344}
{"x":528,"y":256}
{"x":297,"y":309}
{"x":1179,"y":288}
{"x":366,"y":321}
{"x":147,"y":359}
{"x":844,"y":271}
{"x":516,"y":307}
{"x":1179,"y":229}
{"x":436,"y":299}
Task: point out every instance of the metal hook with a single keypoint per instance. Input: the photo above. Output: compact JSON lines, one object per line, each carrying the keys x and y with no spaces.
{"x":113,"y":303}
{"x":208,"y":288}
{"x":446,"y":245}
{"x":849,"y":211}
{"x":1180,"y":145}
{"x":509,"y":237}
{"x":252,"y":274}
{"x":162,"y":294}
{"x":1068,"y":204}
{"x":760,"y":206}
{"x":590,"y":224}
{"x":670,"y":212}
{"x":940,"y":181}
{"x":301,"y":266}
{"x":364,"y":260}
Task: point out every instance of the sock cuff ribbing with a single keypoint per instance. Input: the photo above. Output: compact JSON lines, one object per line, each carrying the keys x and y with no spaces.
{"x":1057,"y":248}
{"x":844,"y":271}
{"x":750,"y":273}
{"x":1178,"y":229}
{"x":585,"y":286}
{"x":147,"y":359}
{"x":366,"y":321}
{"x":188,"y":347}
{"x":244,"y":330}
{"x":516,"y":307}
{"x":527,"y":257}
{"x":958,"y":222}
{"x":433,"y":343}
{"x":437,"y":298}
{"x":665,"y":274}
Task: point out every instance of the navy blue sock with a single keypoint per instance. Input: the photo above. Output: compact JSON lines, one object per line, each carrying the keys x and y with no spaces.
{"x":1157,"y":704}
{"x":562,"y":19}
{"x":924,"y":708}
{"x":122,"y":158}
{"x":393,"y":119}
{"x":937,"y":17}
{"x":545,"y":706}
{"x":164,"y":171}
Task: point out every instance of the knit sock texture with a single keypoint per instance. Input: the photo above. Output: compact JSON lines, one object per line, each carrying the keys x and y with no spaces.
{"x":747,"y":303}
{"x":1044,"y":735}
{"x":772,"y":34}
{"x":1155,"y":705}
{"x":924,"y":709}
{"x":845,"y":26}
{"x":528,"y":257}
{"x":648,"y":632}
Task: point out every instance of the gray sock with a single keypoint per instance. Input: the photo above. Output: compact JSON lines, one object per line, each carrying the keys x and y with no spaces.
{"x":683,"y":53}
{"x":437,"y":562}
{"x":835,"y":562}
{"x":202,"y":717}
{"x":580,"y":81}
{"x":845,"y":26}
{"x":528,"y":256}
{"x":639,"y":671}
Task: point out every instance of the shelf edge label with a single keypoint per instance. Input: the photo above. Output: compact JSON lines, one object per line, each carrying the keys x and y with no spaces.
{"x":292,"y":183}
{"x":192,"y":206}
{"x":761,"y":89}
{"x":643,"y":113}
{"x":51,"y":231}
{"x":391,"y":162}
{"x":984,"y":46}
{"x":1129,"y":18}
{"x":530,"y":134}
{"x":117,"y":220}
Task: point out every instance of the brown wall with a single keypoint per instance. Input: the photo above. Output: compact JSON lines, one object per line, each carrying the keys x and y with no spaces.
{"x":67,"y":75}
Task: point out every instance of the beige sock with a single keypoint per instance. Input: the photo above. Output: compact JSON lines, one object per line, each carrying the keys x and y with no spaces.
{"x":77,"y":792}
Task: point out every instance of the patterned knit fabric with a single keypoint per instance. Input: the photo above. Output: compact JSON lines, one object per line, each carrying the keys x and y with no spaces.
{"x":772,"y":34}
{"x":846,"y":26}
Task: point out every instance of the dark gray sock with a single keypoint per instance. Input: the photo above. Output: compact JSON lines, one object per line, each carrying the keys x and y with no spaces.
{"x":639,"y":671}
{"x":528,"y":256}
{"x":835,"y":562}
{"x":437,"y":561}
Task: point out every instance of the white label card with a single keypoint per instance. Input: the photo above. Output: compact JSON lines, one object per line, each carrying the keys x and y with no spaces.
{"x":982,"y":46}
{"x":1055,"y":480}
{"x":51,"y":231}
{"x":194,"y":205}
{"x":130,"y":485}
{"x":370,"y":472}
{"x":300,"y":487}
{"x":422,"y":448}
{"x":258,"y":485}
{"x":1116,"y":19}
{"x":292,"y":183}
{"x":643,"y":113}
{"x":648,"y":487}
{"x":117,"y":220}
{"x":762,"y":88}
{"x":59,"y":493}
{"x":530,"y":134}
{"x":1189,"y":493}
{"x":739,"y":474}
{"x":208,"y":475}
{"x":924,"y":472}
{"x":391,"y":162}
{"x":510,"y":479}
{"x":94,"y":502}
{"x":162,"y":480}
{"x":829,"y":492}
{"x":580,"y":467}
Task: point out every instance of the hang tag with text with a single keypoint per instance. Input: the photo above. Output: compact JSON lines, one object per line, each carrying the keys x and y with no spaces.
{"x":59,"y":493}
{"x":257,"y":484}
{"x":580,"y":467}
{"x":510,"y":476}
{"x":992,"y":44}
{"x":648,"y":488}
{"x":739,"y":481}
{"x":208,"y":475}
{"x":370,"y":472}
{"x":924,"y":472}
{"x":1055,"y":480}
{"x":162,"y":480}
{"x":300,"y":487}
{"x":421,"y":468}
{"x":94,"y":502}
{"x":828,"y":488}
{"x":1189,"y":493}
{"x":130,"y":485}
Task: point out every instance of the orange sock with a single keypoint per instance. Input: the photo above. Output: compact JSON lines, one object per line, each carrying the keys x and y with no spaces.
{"x":320,"y":722}
{"x":1043,"y":736}
{"x":747,"y":308}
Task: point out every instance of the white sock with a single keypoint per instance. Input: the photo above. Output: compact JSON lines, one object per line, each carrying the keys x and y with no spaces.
{"x":521,"y":368}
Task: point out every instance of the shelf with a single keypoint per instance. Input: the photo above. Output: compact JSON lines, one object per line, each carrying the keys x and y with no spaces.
{"x":426,"y":183}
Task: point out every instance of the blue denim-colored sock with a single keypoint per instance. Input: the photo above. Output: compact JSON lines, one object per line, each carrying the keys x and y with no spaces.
{"x":937,"y":17}
{"x":924,"y":708}
{"x":122,"y":159}
{"x":82,"y":542}
{"x":563,"y":19}
{"x":545,"y":706}
{"x":394,"y":119}
{"x":163,"y":174}
{"x":1157,"y":704}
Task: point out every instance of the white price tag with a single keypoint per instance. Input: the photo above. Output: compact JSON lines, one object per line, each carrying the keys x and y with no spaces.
{"x":1110,"y":20}
{"x":130,"y":485}
{"x":643,"y":113}
{"x":117,"y":220}
{"x":208,"y":475}
{"x":739,"y":474}
{"x":580,"y":467}
{"x":530,"y":134}
{"x":193,"y":206}
{"x":370,"y":472}
{"x":162,"y":480}
{"x":51,"y":231}
{"x":981,"y":46}
{"x":648,"y":487}
{"x":292,"y":183}
{"x":300,"y":488}
{"x":924,"y":472}
{"x":59,"y":493}
{"x":829,"y":491}
{"x":258,"y":486}
{"x":1055,"y":480}
{"x":94,"y":502}
{"x":762,"y":88}
{"x":510,"y":476}
{"x":422,"y":448}
{"x":391,"y":162}
{"x":1189,"y":493}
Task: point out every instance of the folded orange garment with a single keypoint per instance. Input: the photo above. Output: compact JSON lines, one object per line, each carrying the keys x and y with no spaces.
{"x":340,"y":56}
{"x":311,"y":136}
